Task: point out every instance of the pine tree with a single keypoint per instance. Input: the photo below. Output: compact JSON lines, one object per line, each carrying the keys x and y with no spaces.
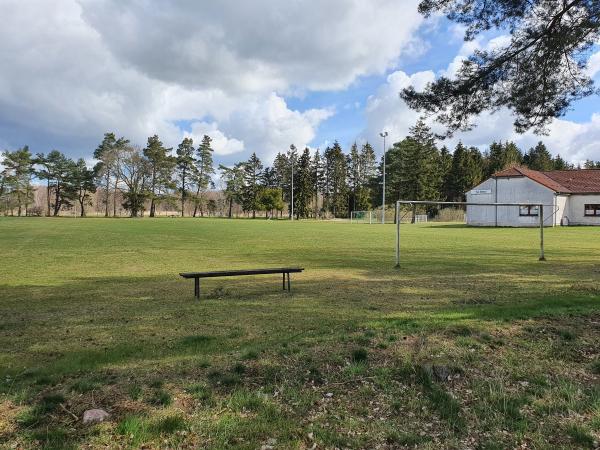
{"x":560,"y":164}
{"x":135,"y":172}
{"x":538,"y":158}
{"x":185,"y":168}
{"x":55,"y":171}
{"x":354,"y":174}
{"x":368,"y":163}
{"x":162,"y":165}
{"x":252,"y":175}
{"x":204,"y":172}
{"x":234,"y":184}
{"x":445,"y":166}
{"x":336,"y":188}
{"x":362,"y":168}
{"x":59,"y":168}
{"x":465,"y":173}
{"x":19,"y":169}
{"x":282,"y":175}
{"x":292,"y":159}
{"x":317,"y":169}
{"x":413,"y":167}
{"x":303,"y":186}
{"x":269,"y":178}
{"x":108,"y":154}
{"x":81,"y":184}
{"x":368,"y":171}
{"x":501,"y":156}
{"x":4,"y":190}
{"x":512,"y":155}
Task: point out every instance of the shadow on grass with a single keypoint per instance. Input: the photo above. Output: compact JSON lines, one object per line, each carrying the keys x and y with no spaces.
{"x":432,"y":318}
{"x":114,"y":304}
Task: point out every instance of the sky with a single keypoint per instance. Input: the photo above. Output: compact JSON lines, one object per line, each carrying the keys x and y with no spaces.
{"x":256,"y":76}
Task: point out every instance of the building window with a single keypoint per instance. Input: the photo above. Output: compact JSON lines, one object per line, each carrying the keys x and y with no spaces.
{"x":592,"y":210}
{"x":529,"y":210}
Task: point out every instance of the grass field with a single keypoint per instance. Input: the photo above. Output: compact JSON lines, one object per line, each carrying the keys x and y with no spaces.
{"x":473,"y":343}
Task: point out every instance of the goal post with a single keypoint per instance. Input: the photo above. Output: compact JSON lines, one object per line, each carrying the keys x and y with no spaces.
{"x":414,"y":203}
{"x":370,"y":217}
{"x":361,"y":217}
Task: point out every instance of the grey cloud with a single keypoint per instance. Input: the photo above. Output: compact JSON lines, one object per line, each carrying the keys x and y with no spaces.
{"x":262,"y":45}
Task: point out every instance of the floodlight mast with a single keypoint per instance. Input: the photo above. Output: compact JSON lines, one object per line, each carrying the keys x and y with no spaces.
{"x":383,"y":134}
{"x":420,"y":202}
{"x":292,"y":215}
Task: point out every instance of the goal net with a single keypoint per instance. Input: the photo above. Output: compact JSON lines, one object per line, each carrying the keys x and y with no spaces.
{"x":369,"y":217}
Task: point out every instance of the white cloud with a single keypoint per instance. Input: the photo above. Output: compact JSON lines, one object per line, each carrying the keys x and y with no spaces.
{"x":84,"y":67}
{"x":593,"y":67}
{"x":467,"y":49}
{"x":221,"y":144}
{"x":386,"y":111}
{"x":575,"y":142}
{"x":270,"y":126}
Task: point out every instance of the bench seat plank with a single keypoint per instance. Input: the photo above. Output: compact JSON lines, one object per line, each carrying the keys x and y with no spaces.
{"x":233,"y":273}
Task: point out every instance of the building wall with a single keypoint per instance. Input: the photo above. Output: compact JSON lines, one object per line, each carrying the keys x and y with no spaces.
{"x":575,"y":214}
{"x":562,"y":203}
{"x":510,"y":190}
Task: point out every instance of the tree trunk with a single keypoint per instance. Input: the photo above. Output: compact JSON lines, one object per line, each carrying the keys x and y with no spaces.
{"x":196,"y":202}
{"x":152,"y":202}
{"x":48,"y":197}
{"x":57,"y":200}
{"x":182,"y":193}
{"x":19,"y":202}
{"x":106,"y":193}
{"x":81,"y":204}
{"x":230,"y":207}
{"x":115,"y":197}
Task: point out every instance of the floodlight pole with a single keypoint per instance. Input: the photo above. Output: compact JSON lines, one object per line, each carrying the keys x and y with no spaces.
{"x":383,"y":134}
{"x":542,"y":257}
{"x":292,"y":216}
{"x":397,"y":235}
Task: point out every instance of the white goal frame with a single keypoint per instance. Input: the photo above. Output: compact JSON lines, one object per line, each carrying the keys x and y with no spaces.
{"x":371,"y":214}
{"x":414,"y":203}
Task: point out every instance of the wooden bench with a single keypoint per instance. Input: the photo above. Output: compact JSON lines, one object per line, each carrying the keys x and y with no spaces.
{"x":236,"y":273}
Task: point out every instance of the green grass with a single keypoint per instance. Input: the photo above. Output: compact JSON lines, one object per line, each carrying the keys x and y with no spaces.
{"x":94,"y":314}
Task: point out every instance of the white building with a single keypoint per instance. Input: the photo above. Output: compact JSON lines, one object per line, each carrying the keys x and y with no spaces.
{"x":570,"y":197}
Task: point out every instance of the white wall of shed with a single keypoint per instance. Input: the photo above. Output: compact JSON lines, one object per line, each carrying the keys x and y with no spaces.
{"x":510,"y":190}
{"x":576,"y":209}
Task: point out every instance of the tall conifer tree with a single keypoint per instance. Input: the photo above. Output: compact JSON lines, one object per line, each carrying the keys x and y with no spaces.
{"x":185,"y":168}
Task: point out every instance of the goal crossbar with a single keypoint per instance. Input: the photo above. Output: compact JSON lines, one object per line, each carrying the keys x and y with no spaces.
{"x":432,"y":202}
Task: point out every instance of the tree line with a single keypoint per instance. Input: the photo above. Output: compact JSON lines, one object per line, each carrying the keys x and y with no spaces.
{"x":315,"y":184}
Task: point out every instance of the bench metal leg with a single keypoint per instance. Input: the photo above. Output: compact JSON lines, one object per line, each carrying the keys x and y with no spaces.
{"x":197,"y":288}
{"x":284,"y":281}
{"x":289,"y":287}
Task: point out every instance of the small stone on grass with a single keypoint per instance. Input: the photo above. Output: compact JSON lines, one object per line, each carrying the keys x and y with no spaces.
{"x":95,"y":416}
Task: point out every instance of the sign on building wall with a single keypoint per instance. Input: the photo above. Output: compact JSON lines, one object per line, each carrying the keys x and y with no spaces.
{"x":481,"y":191}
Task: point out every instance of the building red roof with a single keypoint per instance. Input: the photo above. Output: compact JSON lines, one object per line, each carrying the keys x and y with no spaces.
{"x":580,"y":181}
